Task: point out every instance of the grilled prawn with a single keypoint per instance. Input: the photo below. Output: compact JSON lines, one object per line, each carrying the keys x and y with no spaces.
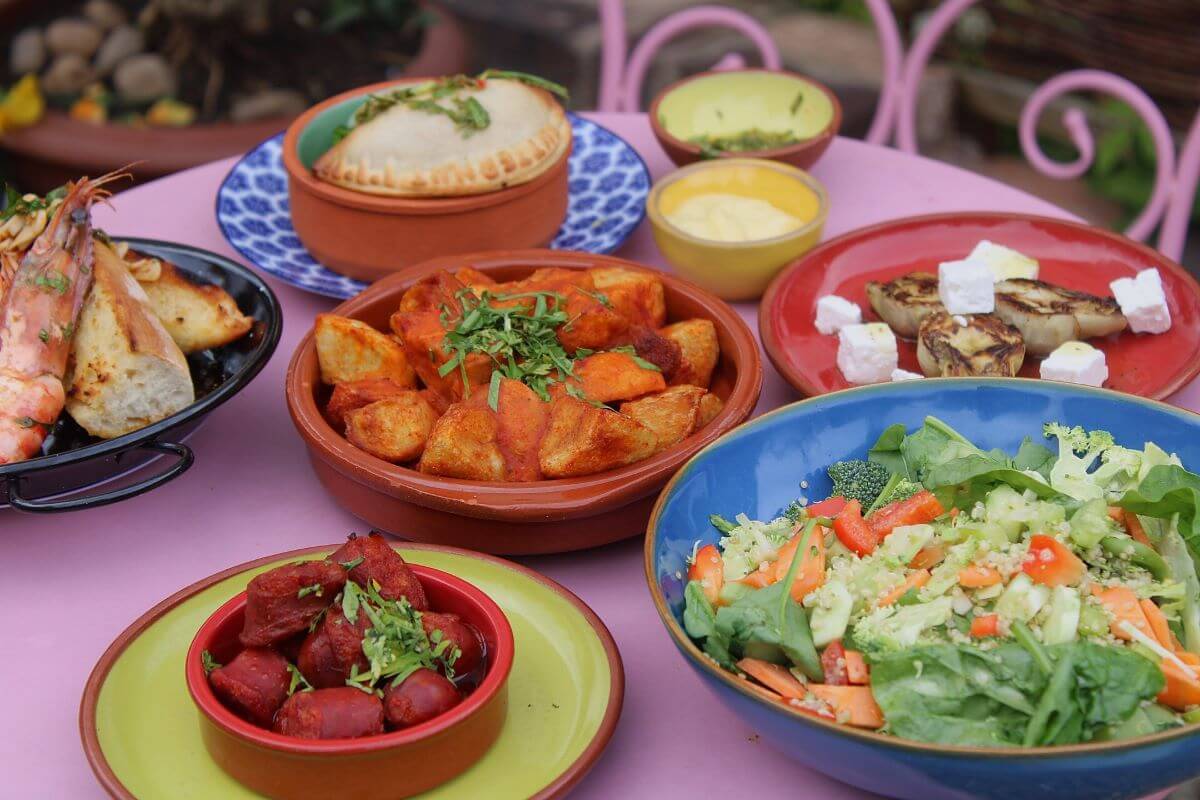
{"x":37,"y":321}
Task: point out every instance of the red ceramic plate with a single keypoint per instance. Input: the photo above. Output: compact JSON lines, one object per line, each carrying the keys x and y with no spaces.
{"x":1072,"y":255}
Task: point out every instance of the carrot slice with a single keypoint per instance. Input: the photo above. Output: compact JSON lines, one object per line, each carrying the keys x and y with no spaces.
{"x":1191,"y":659}
{"x":855,"y":703}
{"x":811,"y":574}
{"x":1158,"y":623}
{"x":1123,"y":604}
{"x":914,"y":580}
{"x":856,"y":668}
{"x":710,"y":571}
{"x":774,"y":677}
{"x":759,"y":578}
{"x":977,"y":577}
{"x":1182,"y":690}
{"x":928,"y":557}
{"x":1130,"y":522}
{"x":985,"y":626}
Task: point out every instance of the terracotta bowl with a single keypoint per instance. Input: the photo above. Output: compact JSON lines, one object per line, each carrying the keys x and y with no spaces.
{"x":385,"y":767}
{"x":368,"y":236}
{"x":551,"y":516}
{"x":754,"y":98}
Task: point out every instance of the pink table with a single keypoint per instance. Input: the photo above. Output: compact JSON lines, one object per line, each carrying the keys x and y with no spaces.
{"x":72,"y":583}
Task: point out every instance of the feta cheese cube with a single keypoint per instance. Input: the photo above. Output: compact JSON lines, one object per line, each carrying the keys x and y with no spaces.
{"x":1004,"y":262}
{"x":905,"y":375}
{"x":966,"y":287}
{"x":1143,"y":302}
{"x":1076,"y":362}
{"x":867,"y":353}
{"x":835,"y":313}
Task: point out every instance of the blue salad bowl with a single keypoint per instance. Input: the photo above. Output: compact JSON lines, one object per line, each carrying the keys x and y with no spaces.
{"x":758,"y":468}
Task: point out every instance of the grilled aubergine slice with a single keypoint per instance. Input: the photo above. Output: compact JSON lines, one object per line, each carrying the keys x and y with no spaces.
{"x":1049,"y":316}
{"x":904,"y":302}
{"x":986,"y":345}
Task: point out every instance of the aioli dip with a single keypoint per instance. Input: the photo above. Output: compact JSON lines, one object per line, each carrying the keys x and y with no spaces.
{"x":727,"y":217}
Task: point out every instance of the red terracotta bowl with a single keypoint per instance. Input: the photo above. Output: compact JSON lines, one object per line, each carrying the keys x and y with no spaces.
{"x":551,"y":516}
{"x":385,"y":767}
{"x":802,"y":154}
{"x":369,"y":236}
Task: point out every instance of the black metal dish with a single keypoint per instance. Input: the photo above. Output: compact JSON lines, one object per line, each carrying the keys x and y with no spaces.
{"x":74,"y":462}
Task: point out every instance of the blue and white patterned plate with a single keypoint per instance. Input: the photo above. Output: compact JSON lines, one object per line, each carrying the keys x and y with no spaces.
{"x":608,"y":186}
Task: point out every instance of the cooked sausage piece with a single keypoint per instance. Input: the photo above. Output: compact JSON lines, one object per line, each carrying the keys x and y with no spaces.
{"x":253,"y":685}
{"x":465,"y":638}
{"x":419,"y":698}
{"x":341,"y":713}
{"x":382,"y":564}
{"x":283,"y":601}
{"x":329,"y":652}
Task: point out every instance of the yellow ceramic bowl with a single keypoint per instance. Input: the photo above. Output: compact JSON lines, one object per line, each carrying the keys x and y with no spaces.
{"x":737,"y":270}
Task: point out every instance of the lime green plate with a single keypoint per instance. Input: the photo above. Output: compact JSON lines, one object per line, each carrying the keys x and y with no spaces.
{"x":142,"y":738}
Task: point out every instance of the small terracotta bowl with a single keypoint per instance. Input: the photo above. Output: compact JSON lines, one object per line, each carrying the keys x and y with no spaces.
{"x":551,"y":516}
{"x":737,"y":100}
{"x":385,"y":767}
{"x":369,"y":236}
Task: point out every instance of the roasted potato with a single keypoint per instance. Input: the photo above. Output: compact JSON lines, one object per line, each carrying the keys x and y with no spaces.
{"x":583,"y":439}
{"x":610,"y":377}
{"x":699,"y":351}
{"x":521,"y":420}
{"x":349,"y":350}
{"x":394,"y":429}
{"x":672,"y":414}
{"x":422,"y":334}
{"x":652,"y":346}
{"x":636,"y":295}
{"x":197,"y":317}
{"x":431,"y":293}
{"x":591,"y":324}
{"x":710,"y":406}
{"x":348,"y":396}
{"x":463,"y":444}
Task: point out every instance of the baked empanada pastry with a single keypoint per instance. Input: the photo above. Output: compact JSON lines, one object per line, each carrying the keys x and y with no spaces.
{"x":456,"y":136}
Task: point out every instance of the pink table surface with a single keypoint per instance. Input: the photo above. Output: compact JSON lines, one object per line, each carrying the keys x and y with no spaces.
{"x":72,"y":583}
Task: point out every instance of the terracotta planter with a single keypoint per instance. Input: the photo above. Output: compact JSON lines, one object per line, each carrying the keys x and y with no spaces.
{"x":547,"y":516}
{"x":60,"y":148}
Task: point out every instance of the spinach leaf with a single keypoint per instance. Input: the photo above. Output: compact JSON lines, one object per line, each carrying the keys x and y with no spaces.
{"x":886,"y":451}
{"x":1166,"y":490}
{"x":981,"y":470}
{"x":1034,"y":457}
{"x":768,"y":624}
{"x":699,"y":620}
{"x":957,"y":694}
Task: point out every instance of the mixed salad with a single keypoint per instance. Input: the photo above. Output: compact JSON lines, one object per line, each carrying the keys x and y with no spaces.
{"x":948,"y":594}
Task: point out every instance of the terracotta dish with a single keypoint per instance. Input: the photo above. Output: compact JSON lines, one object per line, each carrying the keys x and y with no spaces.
{"x":386,"y":766}
{"x":368,"y":236}
{"x":773,"y":101}
{"x":545,"y":516}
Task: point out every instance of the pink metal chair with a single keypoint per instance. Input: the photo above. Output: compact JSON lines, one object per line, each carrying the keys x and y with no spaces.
{"x":621,"y":81}
{"x":1174,"y":187}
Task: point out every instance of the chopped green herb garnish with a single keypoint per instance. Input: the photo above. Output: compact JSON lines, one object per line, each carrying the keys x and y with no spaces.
{"x":351,"y":564}
{"x":298,"y":681}
{"x":744,"y":141}
{"x":209,"y":663}
{"x":797,"y":103}
{"x":530,"y":80}
{"x":316,"y":589}
{"x":340,"y":132}
{"x":68,"y":330}
{"x":15,"y":203}
{"x":26,"y":422}
{"x":44,"y":335}
{"x":494,"y":391}
{"x":54,"y":280}
{"x":629,"y":350}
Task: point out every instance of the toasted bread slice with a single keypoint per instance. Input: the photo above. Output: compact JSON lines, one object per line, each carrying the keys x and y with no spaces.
{"x":126,"y":371}
{"x":197,"y":317}
{"x":1049,"y":316}
{"x":905,"y":301}
{"x":985,"y":345}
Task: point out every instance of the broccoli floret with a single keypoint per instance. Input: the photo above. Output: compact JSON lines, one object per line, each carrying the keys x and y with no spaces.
{"x":898,"y":488}
{"x":859,"y":480}
{"x":794,"y":512}
{"x":1077,"y":452}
